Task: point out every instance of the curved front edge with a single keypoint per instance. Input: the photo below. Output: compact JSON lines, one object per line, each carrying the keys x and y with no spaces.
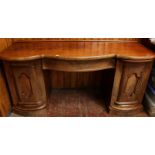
{"x":130,"y":82}
{"x":26,"y":83}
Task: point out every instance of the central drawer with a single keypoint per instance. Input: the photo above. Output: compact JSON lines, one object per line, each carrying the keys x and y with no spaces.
{"x":78,"y":65}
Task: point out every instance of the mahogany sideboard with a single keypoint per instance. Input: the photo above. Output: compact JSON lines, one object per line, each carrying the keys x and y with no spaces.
{"x":25,"y":62}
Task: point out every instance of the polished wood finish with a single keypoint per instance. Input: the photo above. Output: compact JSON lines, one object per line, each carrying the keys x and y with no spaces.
{"x":78,"y":65}
{"x":28,"y":63}
{"x":5,"y":43}
{"x":76,"y":39}
{"x":75,"y":51}
{"x":5,"y":103}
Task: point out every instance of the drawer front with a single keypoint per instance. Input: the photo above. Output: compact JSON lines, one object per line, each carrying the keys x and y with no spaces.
{"x":78,"y":65}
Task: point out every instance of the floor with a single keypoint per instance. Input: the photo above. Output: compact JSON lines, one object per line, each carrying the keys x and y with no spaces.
{"x":76,"y":103}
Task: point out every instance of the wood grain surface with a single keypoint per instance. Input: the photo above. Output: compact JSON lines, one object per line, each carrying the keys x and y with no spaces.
{"x":76,"y":39}
{"x":82,"y":50}
{"x":5,"y":104}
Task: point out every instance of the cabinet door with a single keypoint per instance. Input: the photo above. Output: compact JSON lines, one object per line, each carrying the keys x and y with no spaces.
{"x":133,"y":81}
{"x":26,"y":84}
{"x":130,"y":82}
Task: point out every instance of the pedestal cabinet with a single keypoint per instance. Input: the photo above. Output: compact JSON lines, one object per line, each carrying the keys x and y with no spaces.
{"x":129,"y":85}
{"x":25,"y":65}
{"x":26,"y":84}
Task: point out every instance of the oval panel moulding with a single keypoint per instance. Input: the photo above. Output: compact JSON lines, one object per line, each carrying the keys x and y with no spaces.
{"x":131,"y":85}
{"x":25,"y":86}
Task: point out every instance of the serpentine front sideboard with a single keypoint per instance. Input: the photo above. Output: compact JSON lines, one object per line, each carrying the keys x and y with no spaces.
{"x":25,"y":62}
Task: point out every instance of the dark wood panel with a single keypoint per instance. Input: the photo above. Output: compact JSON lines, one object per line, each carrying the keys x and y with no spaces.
{"x":95,"y":79}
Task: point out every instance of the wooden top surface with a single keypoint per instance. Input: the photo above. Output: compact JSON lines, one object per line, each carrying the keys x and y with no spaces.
{"x":73,"y":50}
